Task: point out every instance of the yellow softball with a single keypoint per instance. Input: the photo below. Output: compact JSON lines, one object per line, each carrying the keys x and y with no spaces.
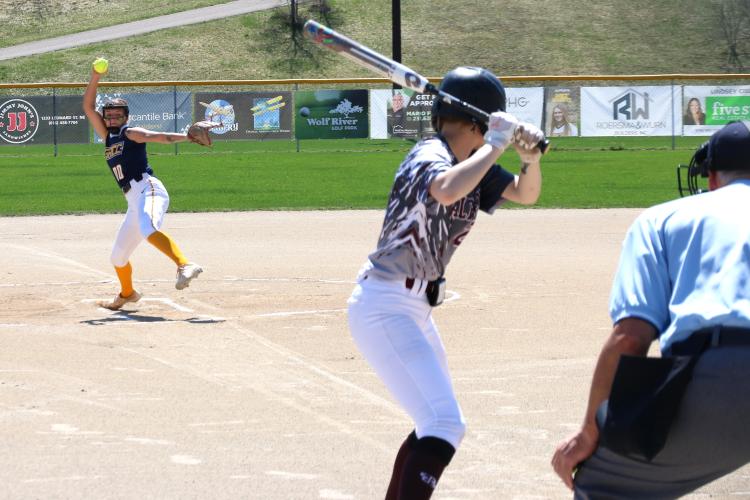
{"x":100,"y":65}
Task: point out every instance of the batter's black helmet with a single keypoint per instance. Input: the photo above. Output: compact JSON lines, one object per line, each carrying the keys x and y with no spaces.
{"x":116,"y":103}
{"x":476,"y":86}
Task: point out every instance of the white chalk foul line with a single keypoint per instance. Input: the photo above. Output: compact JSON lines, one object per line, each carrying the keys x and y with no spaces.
{"x":56,"y":283}
{"x":290,"y":280}
{"x":200,"y":318}
{"x":451,"y":297}
{"x":60,"y":478}
{"x":69,"y":263}
{"x":291,"y":475}
{"x":185,"y":460}
{"x":297,"y":313}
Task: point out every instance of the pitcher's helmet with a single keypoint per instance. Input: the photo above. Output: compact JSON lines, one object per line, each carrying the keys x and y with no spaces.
{"x":476,"y":86}
{"x":117,"y":103}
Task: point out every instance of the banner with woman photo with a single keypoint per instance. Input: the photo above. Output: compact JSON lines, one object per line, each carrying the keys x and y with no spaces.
{"x":561,"y":107}
{"x":708,"y":108}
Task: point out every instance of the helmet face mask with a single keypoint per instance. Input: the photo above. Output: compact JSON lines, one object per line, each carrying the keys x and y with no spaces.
{"x":726,"y":150}
{"x":697,"y":168}
{"x":476,"y":86}
{"x":116,"y":103}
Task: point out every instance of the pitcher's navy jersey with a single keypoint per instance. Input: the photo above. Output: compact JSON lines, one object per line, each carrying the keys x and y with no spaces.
{"x":126,"y":159}
{"x":419,"y":234}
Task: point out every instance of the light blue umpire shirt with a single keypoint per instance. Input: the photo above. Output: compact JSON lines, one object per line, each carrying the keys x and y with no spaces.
{"x":685,"y":264}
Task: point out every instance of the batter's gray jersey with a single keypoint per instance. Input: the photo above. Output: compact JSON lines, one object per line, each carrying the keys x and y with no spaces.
{"x":419,"y":234}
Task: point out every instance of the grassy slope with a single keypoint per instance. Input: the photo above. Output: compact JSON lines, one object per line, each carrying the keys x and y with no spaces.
{"x":512,"y":37}
{"x":27,"y":21}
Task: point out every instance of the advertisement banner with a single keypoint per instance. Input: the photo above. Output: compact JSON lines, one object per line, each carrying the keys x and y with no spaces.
{"x":708,"y":108}
{"x":159,"y":111}
{"x":43,"y":120}
{"x":630,"y":111}
{"x":270,"y":115}
{"x":413,"y":115}
{"x":246,"y":115}
{"x":400,"y":113}
{"x":331,"y":114}
{"x":561,"y":115}
{"x":526,"y":104}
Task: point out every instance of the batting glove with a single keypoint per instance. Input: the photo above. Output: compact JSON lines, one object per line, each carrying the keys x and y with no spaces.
{"x":525,"y":140}
{"x":500,"y":129}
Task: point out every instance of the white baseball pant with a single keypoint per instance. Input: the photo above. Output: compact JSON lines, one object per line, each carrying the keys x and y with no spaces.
{"x":393,"y":328}
{"x":148,"y":201}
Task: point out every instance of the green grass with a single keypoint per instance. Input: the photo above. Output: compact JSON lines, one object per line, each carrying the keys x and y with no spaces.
{"x":323,"y":175}
{"x":511,"y":37}
{"x":26,"y":21}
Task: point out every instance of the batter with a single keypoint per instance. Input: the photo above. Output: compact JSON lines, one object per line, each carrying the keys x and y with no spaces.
{"x":438,"y":191}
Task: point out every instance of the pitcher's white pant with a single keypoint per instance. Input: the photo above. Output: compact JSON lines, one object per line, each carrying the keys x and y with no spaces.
{"x":394,"y":330}
{"x":148,"y":201}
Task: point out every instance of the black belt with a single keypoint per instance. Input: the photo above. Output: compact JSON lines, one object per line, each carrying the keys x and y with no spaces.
{"x":408,"y":282}
{"x":717,"y":336}
{"x":127,"y":186}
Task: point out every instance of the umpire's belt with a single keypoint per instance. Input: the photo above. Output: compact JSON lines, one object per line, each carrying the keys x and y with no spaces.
{"x":130,"y":183}
{"x":716,"y":336}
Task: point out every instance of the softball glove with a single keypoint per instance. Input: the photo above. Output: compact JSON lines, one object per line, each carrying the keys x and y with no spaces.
{"x":199,"y":132}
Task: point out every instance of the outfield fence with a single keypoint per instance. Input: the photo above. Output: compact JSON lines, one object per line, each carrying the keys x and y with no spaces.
{"x":575,"y":111}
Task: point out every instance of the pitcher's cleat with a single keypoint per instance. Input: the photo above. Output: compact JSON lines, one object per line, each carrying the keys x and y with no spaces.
{"x":186,"y":274}
{"x":119,"y":301}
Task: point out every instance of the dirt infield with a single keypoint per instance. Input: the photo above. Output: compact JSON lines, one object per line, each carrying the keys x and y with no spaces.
{"x":247,"y":384}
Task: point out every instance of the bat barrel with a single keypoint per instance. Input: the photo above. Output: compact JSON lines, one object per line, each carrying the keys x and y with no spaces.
{"x":364,"y":56}
{"x":395,"y":71}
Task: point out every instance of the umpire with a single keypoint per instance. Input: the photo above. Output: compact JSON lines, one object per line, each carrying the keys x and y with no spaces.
{"x":663,"y":427}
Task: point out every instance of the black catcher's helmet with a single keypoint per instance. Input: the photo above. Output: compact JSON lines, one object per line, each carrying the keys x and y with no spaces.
{"x":476,"y":86}
{"x":726,"y":150}
{"x":698,"y":167}
{"x":116,"y":103}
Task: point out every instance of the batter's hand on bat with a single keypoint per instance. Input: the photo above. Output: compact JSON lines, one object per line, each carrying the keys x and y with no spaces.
{"x":525,"y":140}
{"x":500,"y":129}
{"x":572,"y":451}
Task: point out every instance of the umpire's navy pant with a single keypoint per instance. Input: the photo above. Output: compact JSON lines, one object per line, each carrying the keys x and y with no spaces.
{"x":710,"y":438}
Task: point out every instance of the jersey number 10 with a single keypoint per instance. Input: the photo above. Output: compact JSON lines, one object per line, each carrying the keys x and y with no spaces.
{"x":117,"y":170}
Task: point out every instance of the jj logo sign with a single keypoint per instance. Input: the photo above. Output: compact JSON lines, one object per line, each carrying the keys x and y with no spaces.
{"x":19,"y":121}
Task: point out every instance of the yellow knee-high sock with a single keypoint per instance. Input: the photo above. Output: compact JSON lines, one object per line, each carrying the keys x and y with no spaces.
{"x":125,"y":275}
{"x":167,"y":245}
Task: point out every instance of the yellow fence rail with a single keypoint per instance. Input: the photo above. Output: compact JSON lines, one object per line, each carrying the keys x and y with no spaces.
{"x":323,"y":81}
